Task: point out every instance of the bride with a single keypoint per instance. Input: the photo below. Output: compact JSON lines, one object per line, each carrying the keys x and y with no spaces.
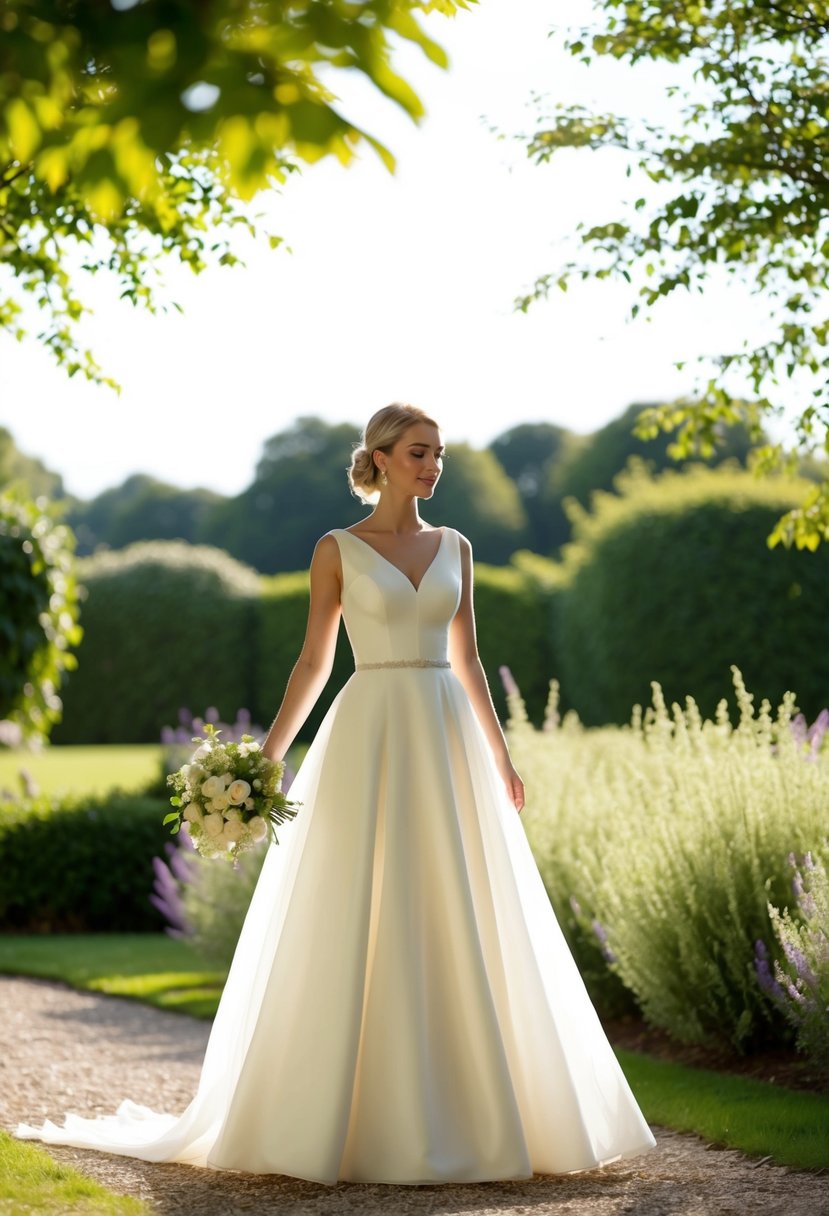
{"x":401,"y":1006}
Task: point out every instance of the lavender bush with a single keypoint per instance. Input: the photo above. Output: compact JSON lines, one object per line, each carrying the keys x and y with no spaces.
{"x":811,"y":738}
{"x":662,"y":843}
{"x":799,"y":984}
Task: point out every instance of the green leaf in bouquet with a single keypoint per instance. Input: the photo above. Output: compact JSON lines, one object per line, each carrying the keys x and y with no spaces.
{"x":169,"y":818}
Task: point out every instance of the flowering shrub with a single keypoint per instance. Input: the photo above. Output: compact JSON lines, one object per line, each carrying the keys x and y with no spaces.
{"x":670,"y":834}
{"x":800,"y":985}
{"x":204,"y":903}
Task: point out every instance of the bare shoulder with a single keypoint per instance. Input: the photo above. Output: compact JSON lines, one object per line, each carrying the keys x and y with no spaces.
{"x":463,"y":542}
{"x":326,"y":553}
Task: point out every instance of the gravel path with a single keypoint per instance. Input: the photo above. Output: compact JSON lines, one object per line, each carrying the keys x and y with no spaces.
{"x":67,"y":1050}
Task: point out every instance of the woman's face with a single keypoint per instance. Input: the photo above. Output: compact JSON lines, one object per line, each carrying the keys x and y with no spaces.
{"x":415,"y":462}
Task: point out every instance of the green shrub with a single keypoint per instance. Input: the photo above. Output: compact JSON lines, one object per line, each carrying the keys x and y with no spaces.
{"x":671,"y":836}
{"x":671,"y":580}
{"x":166,"y":624}
{"x":38,"y":613}
{"x":80,"y":864}
{"x":512,"y":618}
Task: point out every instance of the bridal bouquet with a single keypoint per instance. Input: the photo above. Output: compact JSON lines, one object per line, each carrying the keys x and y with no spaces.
{"x":228,"y":797}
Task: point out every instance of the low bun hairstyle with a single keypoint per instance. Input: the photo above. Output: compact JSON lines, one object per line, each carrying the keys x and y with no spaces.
{"x":382,"y":431}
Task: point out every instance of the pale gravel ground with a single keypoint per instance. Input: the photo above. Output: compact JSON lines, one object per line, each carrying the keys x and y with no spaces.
{"x":67,"y":1050}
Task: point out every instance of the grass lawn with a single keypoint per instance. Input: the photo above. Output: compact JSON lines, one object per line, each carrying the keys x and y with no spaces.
{"x":754,"y":1116}
{"x":150,"y":967}
{"x":32,"y":1182}
{"x":94,"y":770}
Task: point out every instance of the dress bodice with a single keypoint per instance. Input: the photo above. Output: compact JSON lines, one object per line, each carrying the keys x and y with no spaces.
{"x":388,"y":619}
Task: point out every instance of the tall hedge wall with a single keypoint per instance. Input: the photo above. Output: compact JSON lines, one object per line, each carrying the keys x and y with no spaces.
{"x":166,"y":624}
{"x":671,"y":579}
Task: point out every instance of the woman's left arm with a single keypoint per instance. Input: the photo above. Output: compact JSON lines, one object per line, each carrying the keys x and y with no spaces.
{"x":467,"y":666}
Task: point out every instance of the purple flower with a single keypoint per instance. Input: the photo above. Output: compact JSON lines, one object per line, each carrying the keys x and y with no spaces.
{"x":811,"y":736}
{"x":761,"y":965}
{"x":166,"y":895}
{"x":601,"y":933}
{"x":797,"y":958}
{"x":508,"y":681}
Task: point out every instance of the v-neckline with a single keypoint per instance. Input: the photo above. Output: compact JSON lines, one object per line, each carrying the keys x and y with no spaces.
{"x":402,"y":573}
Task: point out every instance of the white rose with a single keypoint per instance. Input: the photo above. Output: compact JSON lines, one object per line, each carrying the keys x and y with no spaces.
{"x":193,"y":813}
{"x":211,"y":787}
{"x":257,"y":784}
{"x":258,"y":828}
{"x":249,"y":804}
{"x":220,"y":802}
{"x":232,"y":831}
{"x":238,"y":791}
{"x":225,"y":779}
{"x":213,"y":824}
{"x":234,"y":815}
{"x":201,"y":752}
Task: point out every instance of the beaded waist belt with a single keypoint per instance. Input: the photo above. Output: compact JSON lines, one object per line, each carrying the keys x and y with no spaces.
{"x":402,"y":663}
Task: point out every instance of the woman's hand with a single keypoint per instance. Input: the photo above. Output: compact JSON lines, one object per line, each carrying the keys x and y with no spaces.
{"x":513,"y":783}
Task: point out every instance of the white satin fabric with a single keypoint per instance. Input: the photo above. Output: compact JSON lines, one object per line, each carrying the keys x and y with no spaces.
{"x":402,"y":1006}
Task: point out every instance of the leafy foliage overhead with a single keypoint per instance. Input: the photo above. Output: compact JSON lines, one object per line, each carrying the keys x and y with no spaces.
{"x":741,"y":188}
{"x":129,"y":129}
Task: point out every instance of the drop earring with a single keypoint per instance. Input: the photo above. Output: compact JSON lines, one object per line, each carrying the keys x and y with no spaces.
{"x":384,"y":481}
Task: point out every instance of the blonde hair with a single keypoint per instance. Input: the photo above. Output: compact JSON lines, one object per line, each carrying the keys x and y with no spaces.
{"x":382,"y":432}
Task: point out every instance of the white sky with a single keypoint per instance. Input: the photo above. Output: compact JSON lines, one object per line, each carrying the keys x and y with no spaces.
{"x":397,"y":287}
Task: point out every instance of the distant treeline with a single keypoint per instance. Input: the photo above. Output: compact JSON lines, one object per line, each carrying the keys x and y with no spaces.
{"x":507,"y":496}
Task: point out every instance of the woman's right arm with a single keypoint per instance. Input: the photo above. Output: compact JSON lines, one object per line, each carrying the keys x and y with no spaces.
{"x":313,"y":667}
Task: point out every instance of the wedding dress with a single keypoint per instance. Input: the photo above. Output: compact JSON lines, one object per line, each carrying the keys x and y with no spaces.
{"x":402,"y":1006}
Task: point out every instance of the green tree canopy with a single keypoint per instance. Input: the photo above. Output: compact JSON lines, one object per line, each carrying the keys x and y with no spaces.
{"x":530,"y":452}
{"x":741,"y":188}
{"x":606,"y":452}
{"x":29,"y":471}
{"x":141,"y":508}
{"x":132,"y":129}
{"x":299,"y":492}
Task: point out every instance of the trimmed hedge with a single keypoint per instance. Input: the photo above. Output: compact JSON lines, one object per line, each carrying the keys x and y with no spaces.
{"x":166,"y":624}
{"x":512,"y":618}
{"x":80,"y":864}
{"x":671,"y":580}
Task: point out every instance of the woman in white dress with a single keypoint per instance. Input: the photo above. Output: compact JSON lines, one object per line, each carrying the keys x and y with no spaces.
{"x":402,"y":1006}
